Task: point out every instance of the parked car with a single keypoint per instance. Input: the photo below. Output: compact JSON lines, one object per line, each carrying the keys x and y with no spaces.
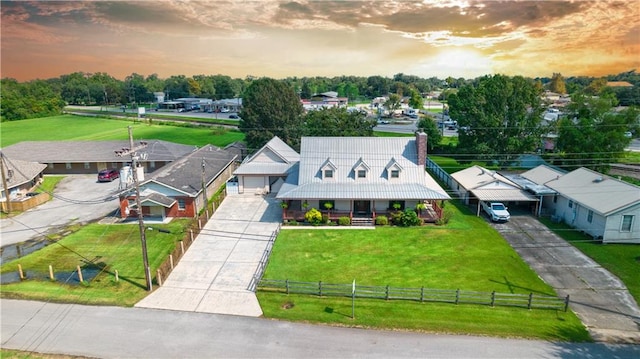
{"x":108,"y":175}
{"x":497,"y":211}
{"x":234,"y":116}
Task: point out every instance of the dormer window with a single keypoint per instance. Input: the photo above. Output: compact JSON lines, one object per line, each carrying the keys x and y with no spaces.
{"x":393,"y":169}
{"x":361,"y":170}
{"x":328,"y":169}
{"x":328,"y":173}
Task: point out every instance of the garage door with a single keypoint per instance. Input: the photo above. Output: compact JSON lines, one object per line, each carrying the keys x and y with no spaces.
{"x":253,"y":184}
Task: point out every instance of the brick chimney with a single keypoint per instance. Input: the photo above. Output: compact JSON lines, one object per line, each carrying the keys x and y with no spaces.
{"x":421,"y":147}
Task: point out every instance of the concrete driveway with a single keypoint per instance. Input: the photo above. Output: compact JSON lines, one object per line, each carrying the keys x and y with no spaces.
{"x":77,"y":199}
{"x":599,"y":298}
{"x":215,"y":273}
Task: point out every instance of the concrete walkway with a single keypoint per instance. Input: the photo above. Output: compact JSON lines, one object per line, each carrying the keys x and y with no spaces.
{"x":599,"y":298}
{"x":215,"y":273}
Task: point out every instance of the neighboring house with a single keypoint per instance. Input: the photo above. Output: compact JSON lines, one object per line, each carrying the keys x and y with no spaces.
{"x":265,"y":171}
{"x":82,"y":157}
{"x":361,"y":178}
{"x":178,"y":189}
{"x":325,"y":100}
{"x":601,"y":206}
{"x":476,"y":184}
{"x":20,"y":177}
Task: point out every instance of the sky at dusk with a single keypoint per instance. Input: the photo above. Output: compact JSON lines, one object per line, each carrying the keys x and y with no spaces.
{"x":45,"y":39}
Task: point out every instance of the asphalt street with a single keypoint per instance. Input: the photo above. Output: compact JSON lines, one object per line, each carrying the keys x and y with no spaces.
{"x":77,"y":199}
{"x":112,"y":332}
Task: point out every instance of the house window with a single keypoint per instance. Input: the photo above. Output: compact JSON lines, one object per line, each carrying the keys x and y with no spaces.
{"x":590,"y":216}
{"x":327,"y":204}
{"x":328,"y":173}
{"x":395,"y":173}
{"x":396,"y":205}
{"x":67,"y":165}
{"x":627,"y":223}
{"x":152,"y":165}
{"x":555,"y":198}
{"x":570,"y":204}
{"x":362,"y":174}
{"x":87,"y":165}
{"x":182,"y":205}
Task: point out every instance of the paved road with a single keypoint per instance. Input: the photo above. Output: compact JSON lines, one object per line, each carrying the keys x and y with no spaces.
{"x":599,"y":298}
{"x":215,"y":273}
{"x":112,"y":332}
{"x":77,"y":199}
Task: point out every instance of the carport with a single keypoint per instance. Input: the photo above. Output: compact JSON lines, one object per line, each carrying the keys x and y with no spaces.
{"x":503,"y":195}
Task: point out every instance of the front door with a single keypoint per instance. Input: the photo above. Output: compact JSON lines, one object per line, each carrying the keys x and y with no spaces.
{"x":361,"y":207}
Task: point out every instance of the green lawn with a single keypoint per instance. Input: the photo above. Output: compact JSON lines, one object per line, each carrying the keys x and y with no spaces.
{"x":78,"y":128}
{"x":623,"y":260}
{"x":112,"y":247}
{"x":467,"y":254}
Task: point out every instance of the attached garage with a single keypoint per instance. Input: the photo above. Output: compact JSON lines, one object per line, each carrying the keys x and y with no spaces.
{"x":252,"y":184}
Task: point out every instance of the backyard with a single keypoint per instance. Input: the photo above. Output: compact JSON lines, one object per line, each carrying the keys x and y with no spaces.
{"x":460,"y":255}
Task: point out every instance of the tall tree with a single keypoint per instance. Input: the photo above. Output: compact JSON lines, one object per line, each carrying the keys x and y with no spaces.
{"x":557,"y":84}
{"x":499,"y":117}
{"x":271,"y":108}
{"x":433,"y":133}
{"x":338,"y":122}
{"x":393,"y":103}
{"x":592,"y":134}
{"x":415,"y":100}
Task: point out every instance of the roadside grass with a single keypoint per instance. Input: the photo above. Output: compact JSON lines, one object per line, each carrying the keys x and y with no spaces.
{"x":466,"y":254}
{"x":391,"y":134}
{"x":109,"y":247}
{"x":49,"y":183}
{"x":151,"y":115}
{"x":20,"y":354}
{"x":623,"y":260}
{"x":79,"y":128}
{"x":451,"y":165}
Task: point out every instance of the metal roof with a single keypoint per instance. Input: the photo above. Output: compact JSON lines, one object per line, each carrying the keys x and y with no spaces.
{"x":542,"y":174}
{"x":476,"y":176}
{"x":503,"y":195}
{"x":285,"y":157}
{"x":600,"y":193}
{"x":92,"y":151}
{"x":272,"y":169}
{"x":345,"y":153}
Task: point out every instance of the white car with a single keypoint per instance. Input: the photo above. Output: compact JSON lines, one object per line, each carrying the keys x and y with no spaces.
{"x":497,"y":211}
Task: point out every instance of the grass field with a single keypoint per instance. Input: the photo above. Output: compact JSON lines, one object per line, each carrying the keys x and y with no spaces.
{"x":112,"y":247}
{"x":462,"y":254}
{"x":78,"y":128}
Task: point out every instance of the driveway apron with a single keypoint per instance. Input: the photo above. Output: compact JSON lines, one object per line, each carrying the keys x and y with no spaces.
{"x":215,"y":273}
{"x":599,"y":298}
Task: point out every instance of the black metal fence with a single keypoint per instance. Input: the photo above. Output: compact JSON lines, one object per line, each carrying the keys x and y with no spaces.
{"x":264,"y":260}
{"x":422,"y":294}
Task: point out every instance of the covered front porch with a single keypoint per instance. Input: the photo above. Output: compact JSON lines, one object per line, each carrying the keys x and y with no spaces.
{"x":429,"y":211}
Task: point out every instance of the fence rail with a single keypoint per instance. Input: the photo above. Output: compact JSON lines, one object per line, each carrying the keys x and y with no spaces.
{"x":422,"y":294}
{"x":264,"y":260}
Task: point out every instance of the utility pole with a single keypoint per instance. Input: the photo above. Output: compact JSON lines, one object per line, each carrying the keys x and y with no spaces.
{"x":143,"y":239}
{"x":4,"y":184}
{"x":204,"y":191}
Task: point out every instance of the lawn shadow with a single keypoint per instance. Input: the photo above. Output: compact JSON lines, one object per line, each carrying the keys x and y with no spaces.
{"x":511,"y":286}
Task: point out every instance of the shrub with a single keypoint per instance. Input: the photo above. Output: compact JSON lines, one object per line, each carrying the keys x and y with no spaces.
{"x":313,"y":216}
{"x":410,"y":218}
{"x":382,"y":220}
{"x":344,"y":221}
{"x":396,"y":218}
{"x":447,"y":213}
{"x":325,"y":218}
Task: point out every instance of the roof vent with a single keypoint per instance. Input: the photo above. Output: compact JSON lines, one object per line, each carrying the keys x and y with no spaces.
{"x":598,"y":179}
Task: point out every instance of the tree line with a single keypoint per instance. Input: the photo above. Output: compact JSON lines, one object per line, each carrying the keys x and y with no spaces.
{"x":38,"y":98}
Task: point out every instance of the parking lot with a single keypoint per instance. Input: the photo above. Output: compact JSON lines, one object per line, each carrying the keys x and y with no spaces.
{"x":77,"y":199}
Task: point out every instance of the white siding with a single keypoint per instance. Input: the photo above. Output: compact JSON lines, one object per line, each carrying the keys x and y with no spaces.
{"x":612,"y":233}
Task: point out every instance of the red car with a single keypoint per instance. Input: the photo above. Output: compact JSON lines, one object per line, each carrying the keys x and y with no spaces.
{"x":108,"y":175}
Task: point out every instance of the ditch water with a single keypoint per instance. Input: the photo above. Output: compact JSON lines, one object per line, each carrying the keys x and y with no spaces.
{"x":14,"y":251}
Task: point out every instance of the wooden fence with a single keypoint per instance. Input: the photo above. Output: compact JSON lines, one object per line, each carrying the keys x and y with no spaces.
{"x":457,"y":296}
